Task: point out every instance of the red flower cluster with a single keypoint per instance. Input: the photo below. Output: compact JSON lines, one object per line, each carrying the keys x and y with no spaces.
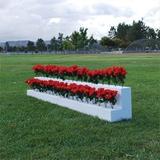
{"x":100,"y":95}
{"x":112,"y":74}
{"x":54,"y":70}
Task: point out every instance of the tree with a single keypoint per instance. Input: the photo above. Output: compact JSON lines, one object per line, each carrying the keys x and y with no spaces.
{"x":151,"y":34}
{"x":30,"y":46}
{"x":83,"y":37}
{"x":53,"y":44}
{"x":22,"y":49}
{"x":158,"y":33}
{"x":80,"y":39}
{"x":40,"y":44}
{"x":7,"y":47}
{"x":67,"y":44}
{"x":119,"y":43}
{"x":122,"y":31}
{"x":75,"y":39}
{"x":91,"y":42}
{"x":60,"y":42}
{"x":107,"y":42}
{"x":13,"y":49}
{"x":1,"y":49}
{"x":124,"y":34}
{"x":137,"y":31}
{"x":112,"y":32}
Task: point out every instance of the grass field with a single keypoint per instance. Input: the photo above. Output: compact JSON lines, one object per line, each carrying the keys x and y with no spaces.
{"x":35,"y":130}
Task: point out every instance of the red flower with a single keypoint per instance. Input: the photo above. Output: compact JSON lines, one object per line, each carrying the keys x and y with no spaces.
{"x":38,"y":67}
{"x":113,"y":74}
{"x":81,"y":71}
{"x":74,"y":89}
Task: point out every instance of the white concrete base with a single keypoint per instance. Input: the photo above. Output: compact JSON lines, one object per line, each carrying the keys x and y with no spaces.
{"x":119,"y":112}
{"x":123,"y":97}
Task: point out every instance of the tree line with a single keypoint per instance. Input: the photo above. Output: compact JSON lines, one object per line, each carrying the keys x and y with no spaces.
{"x":118,"y":37}
{"x":78,"y":40}
{"x":124,"y":34}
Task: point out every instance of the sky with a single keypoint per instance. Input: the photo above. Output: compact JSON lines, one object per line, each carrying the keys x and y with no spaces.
{"x":32,"y":19}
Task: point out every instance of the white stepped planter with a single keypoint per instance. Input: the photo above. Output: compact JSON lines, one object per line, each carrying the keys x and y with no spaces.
{"x":122,"y":110}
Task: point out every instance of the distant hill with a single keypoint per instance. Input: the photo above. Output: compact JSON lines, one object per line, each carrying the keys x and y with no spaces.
{"x":18,"y":43}
{"x":15,"y":43}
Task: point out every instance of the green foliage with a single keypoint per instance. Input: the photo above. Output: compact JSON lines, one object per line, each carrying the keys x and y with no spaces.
{"x":7,"y":47}
{"x":158,"y":33}
{"x":67,"y":44}
{"x":80,"y":39}
{"x":151,"y":34}
{"x":53,"y":44}
{"x":107,"y":42}
{"x":76,"y":41}
{"x":40,"y":45}
{"x":60,"y":42}
{"x":31,"y":46}
{"x":1,"y":49}
{"x":122,"y":31}
{"x":112,"y":32}
{"x":137,"y":31}
{"x":91,"y":42}
{"x":120,"y":43}
{"x":124,"y":34}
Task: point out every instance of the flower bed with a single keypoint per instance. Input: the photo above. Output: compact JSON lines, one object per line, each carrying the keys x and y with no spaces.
{"x":108,"y":102}
{"x":75,"y":91}
{"x":111,"y":75}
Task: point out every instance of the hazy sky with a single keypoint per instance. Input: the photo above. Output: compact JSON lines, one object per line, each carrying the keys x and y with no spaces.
{"x":30,"y":19}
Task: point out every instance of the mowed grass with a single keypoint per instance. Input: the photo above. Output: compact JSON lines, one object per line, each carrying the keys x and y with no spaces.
{"x":31,"y":129}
